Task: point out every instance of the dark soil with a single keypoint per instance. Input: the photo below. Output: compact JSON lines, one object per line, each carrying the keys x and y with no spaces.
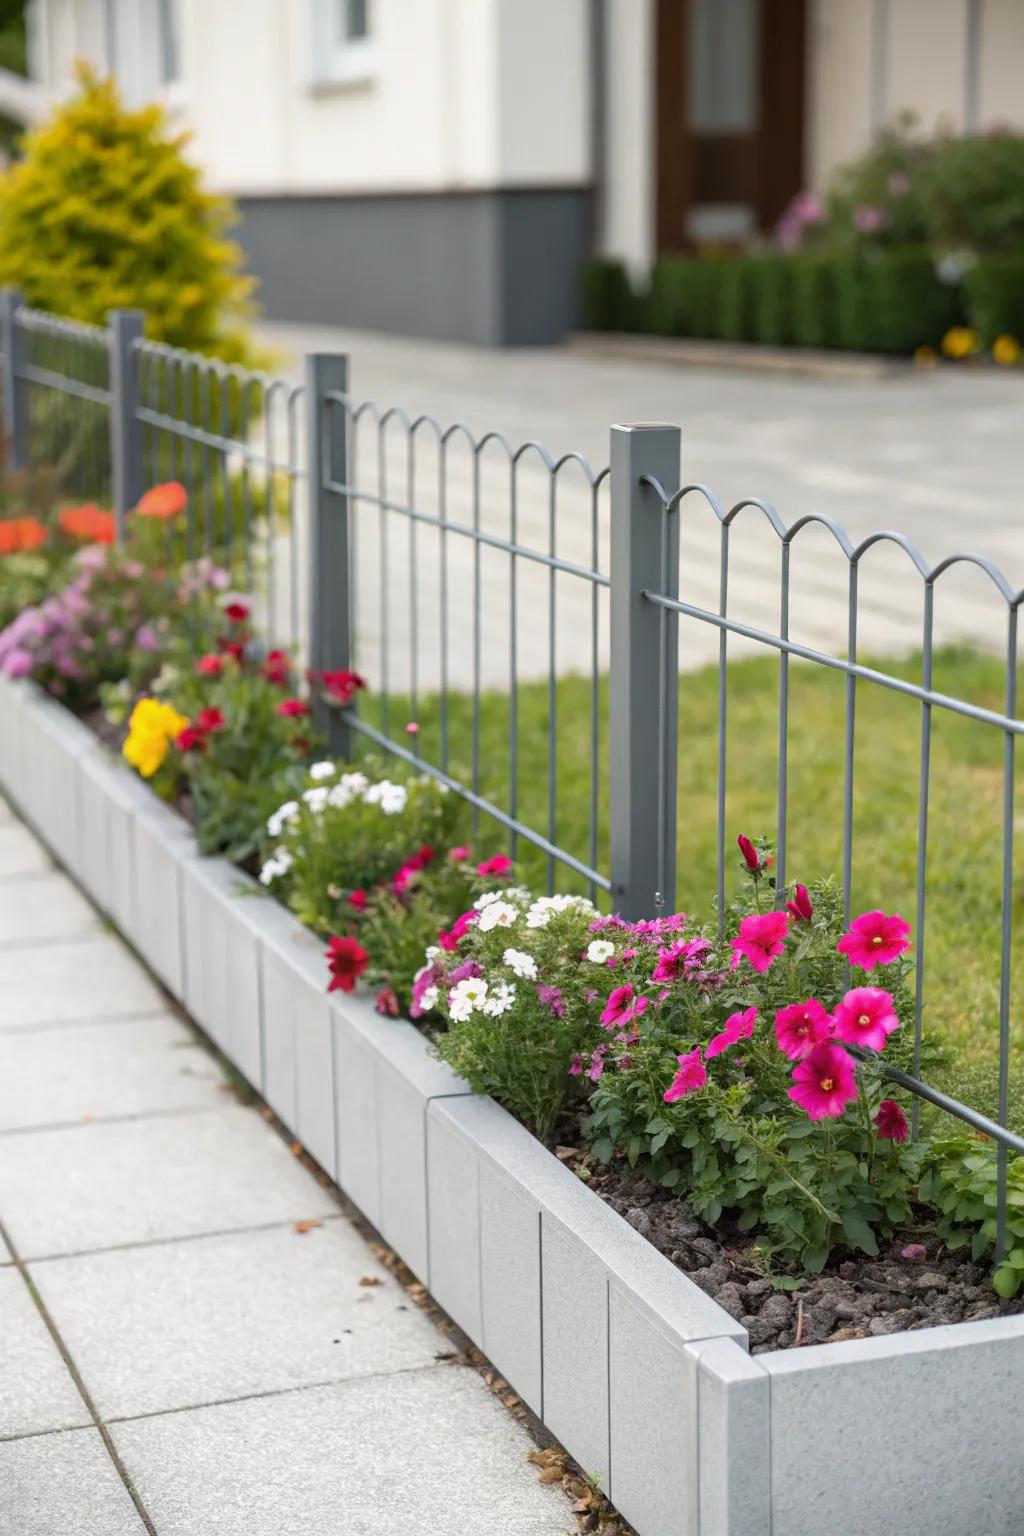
{"x":855,"y":1297}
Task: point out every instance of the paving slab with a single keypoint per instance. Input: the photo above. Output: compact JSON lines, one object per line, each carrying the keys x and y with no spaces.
{"x":128,"y":1067}
{"x":77,"y":979}
{"x":105,"y":1185}
{"x":36,"y":1389}
{"x":45,"y":907}
{"x":20,"y":853}
{"x":181,"y":1324}
{"x":64,"y":1485}
{"x":428,"y":1453}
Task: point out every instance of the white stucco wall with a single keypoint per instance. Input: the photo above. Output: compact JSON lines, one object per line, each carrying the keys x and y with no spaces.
{"x":627,"y":197}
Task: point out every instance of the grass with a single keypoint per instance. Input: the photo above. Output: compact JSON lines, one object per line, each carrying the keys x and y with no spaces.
{"x":961,"y":934}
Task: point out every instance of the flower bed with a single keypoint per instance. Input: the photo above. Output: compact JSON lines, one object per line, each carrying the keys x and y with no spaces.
{"x":596,"y":1328}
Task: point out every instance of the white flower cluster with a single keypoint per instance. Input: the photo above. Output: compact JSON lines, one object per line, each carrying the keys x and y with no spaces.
{"x":278,"y":864}
{"x":544,"y":908}
{"x":599,"y":951}
{"x":285,"y":816}
{"x":473,"y":995}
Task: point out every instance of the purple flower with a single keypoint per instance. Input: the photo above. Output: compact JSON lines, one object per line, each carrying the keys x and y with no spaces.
{"x":16,"y":663}
{"x":867,"y":218}
{"x":551,"y":997}
{"x":146,"y":638}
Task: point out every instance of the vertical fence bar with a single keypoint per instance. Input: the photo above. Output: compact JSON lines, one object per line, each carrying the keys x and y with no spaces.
{"x":1006,"y":929}
{"x":12,"y":338}
{"x":330,"y":631}
{"x":921,"y":888}
{"x":637,"y":777}
{"x":126,"y":327}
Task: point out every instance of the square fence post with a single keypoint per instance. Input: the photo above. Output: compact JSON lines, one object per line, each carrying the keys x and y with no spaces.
{"x":12,"y":339}
{"x":330,"y":613}
{"x":126,"y":328}
{"x":644,"y":670}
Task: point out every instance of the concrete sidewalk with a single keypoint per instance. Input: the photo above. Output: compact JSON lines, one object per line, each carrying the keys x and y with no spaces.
{"x":194,"y":1337}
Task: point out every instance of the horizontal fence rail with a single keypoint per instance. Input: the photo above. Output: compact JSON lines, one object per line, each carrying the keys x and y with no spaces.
{"x":542,"y":637}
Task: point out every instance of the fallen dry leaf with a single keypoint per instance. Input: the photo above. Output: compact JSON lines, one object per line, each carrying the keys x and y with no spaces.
{"x":306,"y":1226}
{"x":371,"y":1280}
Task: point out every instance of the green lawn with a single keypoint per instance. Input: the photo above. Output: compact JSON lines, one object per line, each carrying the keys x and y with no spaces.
{"x":965,"y":829}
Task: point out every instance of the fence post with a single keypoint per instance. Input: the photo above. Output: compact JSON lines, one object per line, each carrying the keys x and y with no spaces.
{"x":644,"y":670}
{"x":330,"y":613}
{"x":15,"y":393}
{"x":126,"y":327}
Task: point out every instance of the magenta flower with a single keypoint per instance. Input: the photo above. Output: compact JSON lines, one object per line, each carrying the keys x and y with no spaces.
{"x":738,"y":1026}
{"x":761,"y":938}
{"x":500,"y":864}
{"x":800,"y":1027}
{"x":890,"y":1121}
{"x":449,"y":938}
{"x":552,"y":998}
{"x":825,"y":1083}
{"x":691,"y":1075}
{"x":800,"y":909}
{"x":749,"y":853}
{"x":17,"y":662}
{"x":671,"y":961}
{"x":875,"y":939}
{"x":866,"y":1016}
{"x":867,"y":218}
{"x":618,"y":1006}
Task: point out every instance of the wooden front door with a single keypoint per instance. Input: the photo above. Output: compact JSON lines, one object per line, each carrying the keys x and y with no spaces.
{"x":729,"y":88}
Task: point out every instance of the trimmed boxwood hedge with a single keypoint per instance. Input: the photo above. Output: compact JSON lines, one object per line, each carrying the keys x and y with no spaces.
{"x":886,"y":301}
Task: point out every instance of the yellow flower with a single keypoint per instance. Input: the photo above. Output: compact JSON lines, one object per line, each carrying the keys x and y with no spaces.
{"x":925,"y":356}
{"x":959,"y":341}
{"x":151,"y":729}
{"x":1006,"y":350}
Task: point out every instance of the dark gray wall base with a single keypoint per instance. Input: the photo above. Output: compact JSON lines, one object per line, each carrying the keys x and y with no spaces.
{"x":497,"y":268}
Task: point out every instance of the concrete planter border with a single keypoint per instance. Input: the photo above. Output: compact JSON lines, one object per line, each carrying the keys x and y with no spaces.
{"x":644,"y":1379}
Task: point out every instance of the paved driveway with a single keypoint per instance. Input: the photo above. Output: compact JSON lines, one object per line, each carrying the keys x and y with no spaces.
{"x":936,"y":455}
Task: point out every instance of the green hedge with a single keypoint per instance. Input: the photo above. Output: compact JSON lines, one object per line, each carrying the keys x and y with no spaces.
{"x":884,"y":301}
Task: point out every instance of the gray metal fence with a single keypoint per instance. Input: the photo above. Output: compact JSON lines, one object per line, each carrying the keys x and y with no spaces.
{"x":475,"y":580}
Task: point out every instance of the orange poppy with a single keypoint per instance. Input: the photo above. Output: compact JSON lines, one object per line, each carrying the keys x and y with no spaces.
{"x":163,"y":500}
{"x":22,"y":533}
{"x":89,"y":522}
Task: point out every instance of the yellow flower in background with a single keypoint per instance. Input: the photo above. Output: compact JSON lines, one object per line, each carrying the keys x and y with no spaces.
{"x":926,"y":357}
{"x":151,"y":729}
{"x":1006,"y":350}
{"x":959,"y":341}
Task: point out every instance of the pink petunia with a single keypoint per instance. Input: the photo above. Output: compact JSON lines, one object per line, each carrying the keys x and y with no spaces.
{"x":800,"y":1027}
{"x":449,"y":938}
{"x":890,"y":1121}
{"x":691,"y":1075}
{"x":499,"y":865}
{"x":459,"y":855}
{"x":761,"y":938}
{"x":866,"y":1016}
{"x":749,"y":853}
{"x":738,"y":1026}
{"x":618,"y":1005}
{"x":875,"y":939}
{"x":824,"y":1083}
{"x":799,"y":908}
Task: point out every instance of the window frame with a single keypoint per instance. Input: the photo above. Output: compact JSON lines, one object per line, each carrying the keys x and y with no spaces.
{"x":341,"y":65}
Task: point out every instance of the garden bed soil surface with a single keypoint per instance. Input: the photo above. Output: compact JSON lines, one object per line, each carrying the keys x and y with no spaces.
{"x":855,"y":1297}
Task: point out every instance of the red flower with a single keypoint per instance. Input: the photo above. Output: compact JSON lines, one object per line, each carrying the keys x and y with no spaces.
{"x":210,"y":665}
{"x":691,"y":1075}
{"x":90,"y":523}
{"x":163,"y":500}
{"x":875,"y":939}
{"x":209,"y":720}
{"x":825,"y":1083}
{"x":291,"y":709}
{"x":346,"y":961}
{"x":235,"y":649}
{"x":276,"y":667}
{"x":449,"y":938}
{"x":387,"y":1002}
{"x":749,"y":853}
{"x":339,"y":685}
{"x":866,"y":1016}
{"x":891,"y":1122}
{"x":236,"y":612}
{"x":499,"y":865}
{"x":800,"y":1027}
{"x":800,"y":908}
{"x":357,"y":900}
{"x":190,"y":739}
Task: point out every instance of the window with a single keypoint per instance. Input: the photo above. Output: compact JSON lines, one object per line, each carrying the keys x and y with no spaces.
{"x":343,"y":50}
{"x":167,"y":20}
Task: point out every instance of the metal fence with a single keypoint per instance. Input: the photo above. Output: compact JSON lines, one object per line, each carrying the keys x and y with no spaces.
{"x":527,"y":624}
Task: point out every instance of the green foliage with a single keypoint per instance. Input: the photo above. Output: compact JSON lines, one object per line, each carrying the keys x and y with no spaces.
{"x":890,"y":181}
{"x":961,"y":1181}
{"x":105,"y":212}
{"x":608,"y":300}
{"x":771,"y":280}
{"x":348,"y":830}
{"x":814,"y":300}
{"x":995,"y":297}
{"x":973,"y":192}
{"x":892,"y":301}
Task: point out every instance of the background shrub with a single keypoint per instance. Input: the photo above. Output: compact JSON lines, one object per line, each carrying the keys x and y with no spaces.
{"x":105,"y":212}
{"x":995,"y":297}
{"x":608,"y":300}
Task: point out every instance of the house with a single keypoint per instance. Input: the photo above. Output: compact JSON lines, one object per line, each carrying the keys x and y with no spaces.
{"x":444,"y":167}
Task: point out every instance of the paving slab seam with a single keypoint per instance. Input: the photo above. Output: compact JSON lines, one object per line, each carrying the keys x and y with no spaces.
{"x":125,"y":1119}
{"x":254,"y":1397}
{"x":107,"y":1018}
{"x":76,"y":1377}
{"x":163,"y":1242}
{"x":64,"y":937}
